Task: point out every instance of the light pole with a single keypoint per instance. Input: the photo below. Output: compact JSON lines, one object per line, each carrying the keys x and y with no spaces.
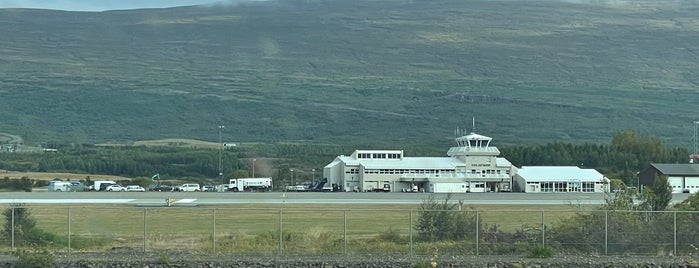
{"x":220,"y":152}
{"x":313,"y":176}
{"x":292,"y":177}
{"x":253,"y":167}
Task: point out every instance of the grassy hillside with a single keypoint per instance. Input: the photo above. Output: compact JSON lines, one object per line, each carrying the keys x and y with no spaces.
{"x":379,"y":72}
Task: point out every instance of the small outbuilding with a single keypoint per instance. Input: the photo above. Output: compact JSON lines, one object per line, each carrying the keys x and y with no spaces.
{"x":683,"y":178}
{"x":560,"y":179}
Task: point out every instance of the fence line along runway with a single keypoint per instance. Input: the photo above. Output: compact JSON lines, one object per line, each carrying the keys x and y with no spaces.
{"x":212,"y":198}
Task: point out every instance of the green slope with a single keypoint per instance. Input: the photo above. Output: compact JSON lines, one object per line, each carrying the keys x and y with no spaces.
{"x":377,"y":72}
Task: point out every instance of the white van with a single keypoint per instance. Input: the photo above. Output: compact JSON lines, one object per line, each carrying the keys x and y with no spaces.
{"x":188,"y":187}
{"x":102,"y":185}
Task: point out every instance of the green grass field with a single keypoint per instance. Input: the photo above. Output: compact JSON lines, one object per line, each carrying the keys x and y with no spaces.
{"x":255,"y":228}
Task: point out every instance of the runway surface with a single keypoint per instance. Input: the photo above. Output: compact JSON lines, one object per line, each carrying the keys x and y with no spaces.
{"x":213,"y":198}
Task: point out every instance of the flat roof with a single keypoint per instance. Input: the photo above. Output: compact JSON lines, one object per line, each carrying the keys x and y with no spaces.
{"x":559,"y":173}
{"x":415,"y":162}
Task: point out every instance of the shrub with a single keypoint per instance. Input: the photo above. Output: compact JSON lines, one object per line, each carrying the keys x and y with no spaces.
{"x":35,"y":258}
{"x":444,"y":221}
{"x":391,"y":236}
{"x":163,"y":259}
{"x":541,"y":252}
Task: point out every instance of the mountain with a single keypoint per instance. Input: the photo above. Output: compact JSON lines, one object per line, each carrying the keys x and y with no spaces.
{"x":383,"y":72}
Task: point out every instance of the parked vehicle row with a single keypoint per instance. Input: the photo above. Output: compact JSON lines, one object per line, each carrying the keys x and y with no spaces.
{"x":234,"y":185}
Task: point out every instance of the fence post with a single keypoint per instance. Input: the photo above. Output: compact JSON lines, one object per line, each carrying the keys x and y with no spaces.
{"x":543,"y":228}
{"x":606,"y":229}
{"x":410,"y":227}
{"x":674,"y":249}
{"x":13,"y":228}
{"x":280,"y":231}
{"x":477,"y":230}
{"x":344,"y":232}
{"x":69,"y":230}
{"x":145,"y":229}
{"x":213,"y":230}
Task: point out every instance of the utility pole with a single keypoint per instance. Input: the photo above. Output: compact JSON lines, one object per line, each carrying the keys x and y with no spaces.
{"x":220,"y":152}
{"x":253,"y":167}
{"x":695,"y":153}
{"x":292,"y":177}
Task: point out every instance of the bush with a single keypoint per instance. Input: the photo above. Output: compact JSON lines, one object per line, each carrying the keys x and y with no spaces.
{"x":391,"y":236}
{"x":440,"y":221}
{"x":35,"y":258}
{"x":541,"y":252}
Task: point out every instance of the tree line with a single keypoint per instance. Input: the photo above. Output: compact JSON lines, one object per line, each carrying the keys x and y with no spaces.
{"x":625,"y":156}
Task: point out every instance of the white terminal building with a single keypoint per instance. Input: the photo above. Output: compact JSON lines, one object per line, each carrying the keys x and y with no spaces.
{"x":471,"y":166}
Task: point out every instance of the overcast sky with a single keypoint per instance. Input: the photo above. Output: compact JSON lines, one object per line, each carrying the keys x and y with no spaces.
{"x":102,"y":5}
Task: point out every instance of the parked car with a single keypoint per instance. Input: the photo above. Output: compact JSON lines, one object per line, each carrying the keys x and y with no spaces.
{"x":116,"y":188}
{"x":135,"y":188}
{"x":188,"y":187}
{"x":297,"y":188}
{"x":161,"y":188}
{"x":208,"y":188}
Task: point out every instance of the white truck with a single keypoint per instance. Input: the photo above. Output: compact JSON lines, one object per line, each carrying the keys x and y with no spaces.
{"x":250,"y":185}
{"x":60,"y":186}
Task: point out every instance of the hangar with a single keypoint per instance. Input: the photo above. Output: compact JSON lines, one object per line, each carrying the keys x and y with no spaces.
{"x":533,"y":179}
{"x":470,"y":166}
{"x":683,"y":178}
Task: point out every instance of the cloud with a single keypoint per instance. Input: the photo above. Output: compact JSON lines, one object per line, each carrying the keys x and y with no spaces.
{"x":102,"y":5}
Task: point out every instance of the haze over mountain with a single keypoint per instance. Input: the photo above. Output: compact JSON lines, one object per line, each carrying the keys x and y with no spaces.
{"x":385,"y":72}
{"x":102,"y":5}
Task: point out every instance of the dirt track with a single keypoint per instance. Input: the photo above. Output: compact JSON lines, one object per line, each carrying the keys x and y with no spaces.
{"x":152,"y":260}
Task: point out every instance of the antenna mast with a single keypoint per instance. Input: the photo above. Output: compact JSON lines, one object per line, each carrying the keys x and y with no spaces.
{"x":694,"y":157}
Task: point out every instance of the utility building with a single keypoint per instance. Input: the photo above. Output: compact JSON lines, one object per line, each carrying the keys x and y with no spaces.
{"x":682,"y":178}
{"x":533,"y":179}
{"x":471,"y":166}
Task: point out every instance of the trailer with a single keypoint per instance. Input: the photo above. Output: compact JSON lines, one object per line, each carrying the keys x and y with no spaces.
{"x":250,"y":185}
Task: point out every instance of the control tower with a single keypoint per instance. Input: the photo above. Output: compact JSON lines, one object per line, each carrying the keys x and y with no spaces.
{"x":473,"y":145}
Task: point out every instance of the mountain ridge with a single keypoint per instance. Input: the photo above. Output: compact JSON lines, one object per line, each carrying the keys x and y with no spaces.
{"x":374,"y":72}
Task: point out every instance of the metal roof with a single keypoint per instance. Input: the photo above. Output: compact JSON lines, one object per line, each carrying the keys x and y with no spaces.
{"x":559,"y":173}
{"x":503,"y":162}
{"x":405,"y":163}
{"x":413,"y":162}
{"x":677,"y":169}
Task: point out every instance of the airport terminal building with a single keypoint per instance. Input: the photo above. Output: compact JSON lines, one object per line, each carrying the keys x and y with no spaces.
{"x":560,"y":179}
{"x":471,"y":166}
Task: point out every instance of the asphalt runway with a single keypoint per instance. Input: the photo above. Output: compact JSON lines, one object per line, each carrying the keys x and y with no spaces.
{"x":214,"y":198}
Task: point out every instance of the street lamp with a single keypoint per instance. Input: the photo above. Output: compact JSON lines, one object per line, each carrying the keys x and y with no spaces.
{"x":220,"y":152}
{"x":292,"y":177}
{"x":253,"y":167}
{"x":313,"y":176}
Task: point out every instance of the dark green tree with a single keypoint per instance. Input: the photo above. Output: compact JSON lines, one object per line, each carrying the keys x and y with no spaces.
{"x":18,"y":219}
{"x":657,"y":196}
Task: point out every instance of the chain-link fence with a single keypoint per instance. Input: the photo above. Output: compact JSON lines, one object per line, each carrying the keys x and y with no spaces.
{"x":315,"y":230}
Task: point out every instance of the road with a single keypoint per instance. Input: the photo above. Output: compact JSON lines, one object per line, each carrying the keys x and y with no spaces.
{"x":11,"y":139}
{"x":210,"y":198}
